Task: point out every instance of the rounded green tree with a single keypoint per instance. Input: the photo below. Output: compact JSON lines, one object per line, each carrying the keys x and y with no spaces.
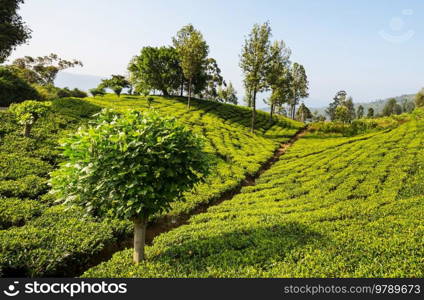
{"x":129,"y":166}
{"x":28,"y":112}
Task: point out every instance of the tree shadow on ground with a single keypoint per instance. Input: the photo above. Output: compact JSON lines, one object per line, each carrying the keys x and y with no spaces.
{"x":228,"y":110}
{"x":237,"y":249}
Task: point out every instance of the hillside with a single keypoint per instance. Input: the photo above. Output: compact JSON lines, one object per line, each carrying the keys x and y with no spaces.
{"x":40,"y":238}
{"x":377,"y":105}
{"x":331,"y":207}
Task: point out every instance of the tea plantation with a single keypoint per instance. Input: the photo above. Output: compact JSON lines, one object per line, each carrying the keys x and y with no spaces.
{"x":332,"y":206}
{"x":38,"y":237}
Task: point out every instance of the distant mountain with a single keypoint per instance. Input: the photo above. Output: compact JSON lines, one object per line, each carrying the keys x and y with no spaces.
{"x":378,"y":105}
{"x":80,"y":81}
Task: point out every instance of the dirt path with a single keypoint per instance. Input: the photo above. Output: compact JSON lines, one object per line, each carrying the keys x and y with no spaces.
{"x":166,"y":224}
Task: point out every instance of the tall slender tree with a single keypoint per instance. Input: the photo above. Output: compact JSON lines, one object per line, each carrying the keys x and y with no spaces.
{"x":254,"y":62}
{"x":277,"y":77}
{"x":303,"y":113}
{"x":360,"y":112}
{"x":192,"y":51}
{"x":338,"y":98}
{"x":370,"y":113}
{"x":299,"y":86}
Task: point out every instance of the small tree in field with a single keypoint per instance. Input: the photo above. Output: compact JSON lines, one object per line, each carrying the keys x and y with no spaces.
{"x":150,"y":101}
{"x":98,"y":91}
{"x":370,"y":113}
{"x":129,"y":167}
{"x":28,"y":112}
{"x":116,"y":83}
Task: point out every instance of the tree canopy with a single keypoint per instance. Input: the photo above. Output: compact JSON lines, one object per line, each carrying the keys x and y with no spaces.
{"x":192,"y":51}
{"x":116,"y":83}
{"x":14,"y":89}
{"x":129,"y":166}
{"x":28,"y":112}
{"x":254,"y":62}
{"x":156,"y":68}
{"x":419,"y":99}
{"x":13,"y":31}
{"x":41,"y":70}
{"x":392,"y":108}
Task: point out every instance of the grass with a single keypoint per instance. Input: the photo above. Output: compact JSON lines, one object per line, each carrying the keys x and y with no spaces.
{"x":40,"y":238}
{"x":332,"y":206}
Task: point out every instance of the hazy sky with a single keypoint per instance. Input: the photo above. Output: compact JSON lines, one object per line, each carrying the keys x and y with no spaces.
{"x":371,"y":49}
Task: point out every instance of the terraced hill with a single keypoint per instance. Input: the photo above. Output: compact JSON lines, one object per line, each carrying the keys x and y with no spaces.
{"x":40,"y":238}
{"x":331,"y":207}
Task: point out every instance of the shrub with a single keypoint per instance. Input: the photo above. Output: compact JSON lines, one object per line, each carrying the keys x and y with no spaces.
{"x":47,"y":92}
{"x":15,"y":212}
{"x":130,"y":167}
{"x":28,"y":112}
{"x":98,"y":91}
{"x":77,"y":93}
{"x":76,"y":108}
{"x":14,"y":89}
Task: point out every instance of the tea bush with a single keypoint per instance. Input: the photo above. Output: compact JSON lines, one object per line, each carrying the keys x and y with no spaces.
{"x":41,"y":239}
{"x":331,"y":207}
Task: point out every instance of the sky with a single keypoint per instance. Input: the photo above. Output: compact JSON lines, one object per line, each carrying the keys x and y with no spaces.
{"x":371,"y":49}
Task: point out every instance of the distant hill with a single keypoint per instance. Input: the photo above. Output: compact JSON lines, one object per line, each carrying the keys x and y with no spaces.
{"x":80,"y":81}
{"x":378,"y":105}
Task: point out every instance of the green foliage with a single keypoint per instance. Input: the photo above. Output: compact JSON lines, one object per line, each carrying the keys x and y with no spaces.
{"x":16,"y":212}
{"x":331,"y":207}
{"x":156,"y":69}
{"x":419,"y":99}
{"x":13,"y":89}
{"x":54,"y":244}
{"x":360,"y":112}
{"x":225,"y":127}
{"x":279,"y":77}
{"x":28,"y":112}
{"x":337,"y":100}
{"x":116,"y":83}
{"x":303,"y":113}
{"x":139,"y":165}
{"x":41,"y":70}
{"x":370,"y":113}
{"x":299,"y":86}
{"x":68,"y":93}
{"x":13,"y":31}
{"x":150,"y":101}
{"x":51,"y":92}
{"x":62,"y":240}
{"x":192,"y":51}
{"x":392,"y":108}
{"x":360,"y":126}
{"x":98,"y":91}
{"x":227,"y":94}
{"x":342,"y":114}
{"x":254,"y":62}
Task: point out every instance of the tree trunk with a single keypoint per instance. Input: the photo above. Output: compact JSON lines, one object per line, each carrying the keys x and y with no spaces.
{"x":139,"y":239}
{"x":189,"y":94}
{"x":27,"y":130}
{"x":272,"y":112}
{"x":253,"y":111}
{"x":182,"y":86}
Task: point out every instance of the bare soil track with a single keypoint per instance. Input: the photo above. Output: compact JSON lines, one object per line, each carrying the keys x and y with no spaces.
{"x":166,"y":224}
